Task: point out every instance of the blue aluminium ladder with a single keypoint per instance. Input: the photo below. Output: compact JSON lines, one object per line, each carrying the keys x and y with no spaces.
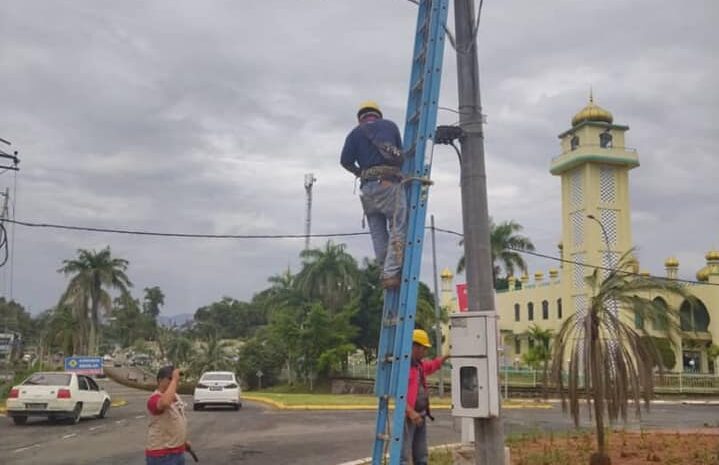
{"x":398,"y":314}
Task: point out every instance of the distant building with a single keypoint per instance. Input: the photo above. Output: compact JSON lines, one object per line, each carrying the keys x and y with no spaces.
{"x":594,"y":167}
{"x":10,"y":346}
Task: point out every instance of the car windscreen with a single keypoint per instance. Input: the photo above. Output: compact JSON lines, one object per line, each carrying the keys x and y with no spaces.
{"x":49,"y":379}
{"x":217,"y":377}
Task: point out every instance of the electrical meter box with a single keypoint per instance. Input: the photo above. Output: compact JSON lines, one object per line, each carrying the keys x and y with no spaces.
{"x":475,"y":383}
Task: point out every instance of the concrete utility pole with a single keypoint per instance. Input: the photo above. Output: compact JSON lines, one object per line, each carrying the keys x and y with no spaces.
{"x":488,"y":433}
{"x":309,"y":182}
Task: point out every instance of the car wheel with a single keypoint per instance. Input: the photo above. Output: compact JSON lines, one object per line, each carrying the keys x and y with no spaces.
{"x":237,"y":407}
{"x":19,"y":420}
{"x":104,"y":409}
{"x":196,"y":407}
{"x":76,"y":413}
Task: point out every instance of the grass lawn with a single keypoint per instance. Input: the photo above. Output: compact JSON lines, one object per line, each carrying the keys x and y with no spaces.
{"x":332,"y":400}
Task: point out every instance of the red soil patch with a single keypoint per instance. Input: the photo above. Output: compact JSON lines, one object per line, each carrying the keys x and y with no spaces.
{"x":699,"y":447}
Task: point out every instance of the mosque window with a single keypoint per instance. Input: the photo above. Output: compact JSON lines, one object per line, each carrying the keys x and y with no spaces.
{"x":545,"y":310}
{"x":559,"y":308}
{"x":638,"y":320}
{"x":517,"y":346}
{"x":517,"y":310}
{"x":660,"y":322}
{"x":530,"y":311}
{"x":605,"y":140}
{"x":694,"y":317}
{"x":575,"y":142}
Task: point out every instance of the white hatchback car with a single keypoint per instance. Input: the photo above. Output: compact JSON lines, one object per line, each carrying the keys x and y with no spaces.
{"x":57,"y":395}
{"x":217,"y":388}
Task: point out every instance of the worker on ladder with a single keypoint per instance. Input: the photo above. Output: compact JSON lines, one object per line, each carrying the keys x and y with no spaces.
{"x":414,"y":447}
{"x":372,"y":152}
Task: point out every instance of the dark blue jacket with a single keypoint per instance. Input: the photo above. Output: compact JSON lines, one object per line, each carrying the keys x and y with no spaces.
{"x":359,"y":153}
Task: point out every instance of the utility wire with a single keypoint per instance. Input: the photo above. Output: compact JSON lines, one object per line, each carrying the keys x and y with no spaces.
{"x":302,"y":236}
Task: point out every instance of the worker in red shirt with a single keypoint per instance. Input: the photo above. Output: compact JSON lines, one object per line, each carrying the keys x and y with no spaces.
{"x":414,"y":447}
{"x":166,"y":441}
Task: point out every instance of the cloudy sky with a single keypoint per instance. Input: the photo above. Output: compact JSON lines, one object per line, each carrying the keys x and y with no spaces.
{"x":203,"y":117}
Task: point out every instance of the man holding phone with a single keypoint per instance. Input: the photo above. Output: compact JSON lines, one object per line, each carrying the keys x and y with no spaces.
{"x":166,"y":442}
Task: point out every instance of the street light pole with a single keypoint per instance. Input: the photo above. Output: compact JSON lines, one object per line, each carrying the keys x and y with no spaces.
{"x":488,"y":433}
{"x":437,"y":323}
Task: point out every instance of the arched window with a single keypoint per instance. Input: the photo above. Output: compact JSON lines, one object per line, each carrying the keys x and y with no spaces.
{"x":638,"y":320}
{"x":694,"y":319}
{"x":530,"y":311}
{"x":517,"y":310}
{"x":605,"y":140}
{"x":574,"y":142}
{"x":545,"y":310}
{"x":659,"y":322}
{"x":517,"y":346}
{"x":559,"y":308}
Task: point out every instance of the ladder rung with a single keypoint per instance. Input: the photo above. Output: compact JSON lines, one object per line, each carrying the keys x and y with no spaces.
{"x":418,"y":85}
{"x":384,"y":437}
{"x":415,"y":117}
{"x":390,"y":322}
{"x":421,"y":55}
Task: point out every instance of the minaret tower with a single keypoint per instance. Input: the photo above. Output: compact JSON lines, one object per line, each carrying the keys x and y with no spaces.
{"x":594,"y":168}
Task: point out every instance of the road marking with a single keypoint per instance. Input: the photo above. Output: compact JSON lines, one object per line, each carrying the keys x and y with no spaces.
{"x":120,"y":421}
{"x":139,"y":416}
{"x":68,"y":436}
{"x":22,"y":449}
{"x":97,"y":427}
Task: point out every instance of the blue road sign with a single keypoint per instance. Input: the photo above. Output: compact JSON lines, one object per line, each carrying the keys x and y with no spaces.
{"x":85,"y":365}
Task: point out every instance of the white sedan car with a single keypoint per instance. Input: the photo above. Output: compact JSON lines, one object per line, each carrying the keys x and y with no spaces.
{"x":217,"y":388}
{"x":56,"y":395}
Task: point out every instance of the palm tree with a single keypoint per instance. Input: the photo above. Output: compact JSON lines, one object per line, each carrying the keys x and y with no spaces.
{"x":153,"y":300}
{"x":504,"y":244}
{"x":67,"y":330}
{"x":179,"y":349}
{"x":614,"y":360}
{"x":213,"y":356}
{"x":92,"y":272}
{"x":540,"y":352}
{"x":328,"y":275}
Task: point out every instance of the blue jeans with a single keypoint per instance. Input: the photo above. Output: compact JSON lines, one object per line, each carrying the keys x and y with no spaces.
{"x":414,"y":444}
{"x":385,"y":205}
{"x":169,"y":459}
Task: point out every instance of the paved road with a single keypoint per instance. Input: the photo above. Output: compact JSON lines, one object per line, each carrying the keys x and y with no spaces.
{"x":257,"y":435}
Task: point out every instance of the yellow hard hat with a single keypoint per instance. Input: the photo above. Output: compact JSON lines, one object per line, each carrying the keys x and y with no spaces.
{"x":368,"y":106}
{"x":420,"y":336}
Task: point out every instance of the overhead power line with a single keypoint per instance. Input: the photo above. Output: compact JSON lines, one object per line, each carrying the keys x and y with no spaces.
{"x":135,"y":232}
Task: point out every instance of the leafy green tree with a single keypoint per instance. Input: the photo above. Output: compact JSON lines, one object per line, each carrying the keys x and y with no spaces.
{"x":259,"y":355}
{"x":230,"y":318}
{"x":127,"y":321}
{"x":67,"y":331}
{"x":606,"y":351}
{"x":328,"y":275}
{"x":505,"y":240}
{"x":91,"y":275}
{"x":367,"y":310}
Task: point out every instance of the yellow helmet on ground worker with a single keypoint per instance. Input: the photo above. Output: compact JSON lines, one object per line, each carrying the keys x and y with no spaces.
{"x":368,"y":106}
{"x":420,"y":336}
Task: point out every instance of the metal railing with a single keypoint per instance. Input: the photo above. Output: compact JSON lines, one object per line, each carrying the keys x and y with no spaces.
{"x":667,"y":383}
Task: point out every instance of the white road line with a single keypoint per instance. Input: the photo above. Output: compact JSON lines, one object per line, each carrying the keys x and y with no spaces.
{"x":139,"y":416}
{"x":96,"y":427}
{"x":22,"y":449}
{"x":120,"y":421}
{"x":68,"y":436}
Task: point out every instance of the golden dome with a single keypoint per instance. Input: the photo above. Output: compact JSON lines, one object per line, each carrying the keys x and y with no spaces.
{"x":446,"y":274}
{"x":703,"y":274}
{"x":553,"y":273}
{"x":671,"y":262}
{"x":592,"y":112}
{"x":644,"y":273}
{"x":538,"y":275}
{"x":525,"y":277}
{"x":712,"y":255}
{"x":511,"y":278}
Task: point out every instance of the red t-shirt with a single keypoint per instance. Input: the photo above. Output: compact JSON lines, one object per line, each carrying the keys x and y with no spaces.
{"x":154,"y":409}
{"x":429,"y":367}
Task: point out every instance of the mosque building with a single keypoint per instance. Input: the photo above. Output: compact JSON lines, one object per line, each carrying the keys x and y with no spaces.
{"x":593,"y":167}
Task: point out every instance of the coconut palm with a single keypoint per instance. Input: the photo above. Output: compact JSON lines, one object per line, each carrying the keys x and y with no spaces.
{"x":504,"y":244}
{"x":328,"y":275}
{"x":153,"y":300}
{"x":179,"y":349}
{"x":540,"y":353}
{"x":214,"y":355}
{"x":92,"y":273}
{"x":604,"y":350}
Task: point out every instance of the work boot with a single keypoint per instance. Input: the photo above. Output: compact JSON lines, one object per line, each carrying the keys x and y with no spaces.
{"x":391,"y":282}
